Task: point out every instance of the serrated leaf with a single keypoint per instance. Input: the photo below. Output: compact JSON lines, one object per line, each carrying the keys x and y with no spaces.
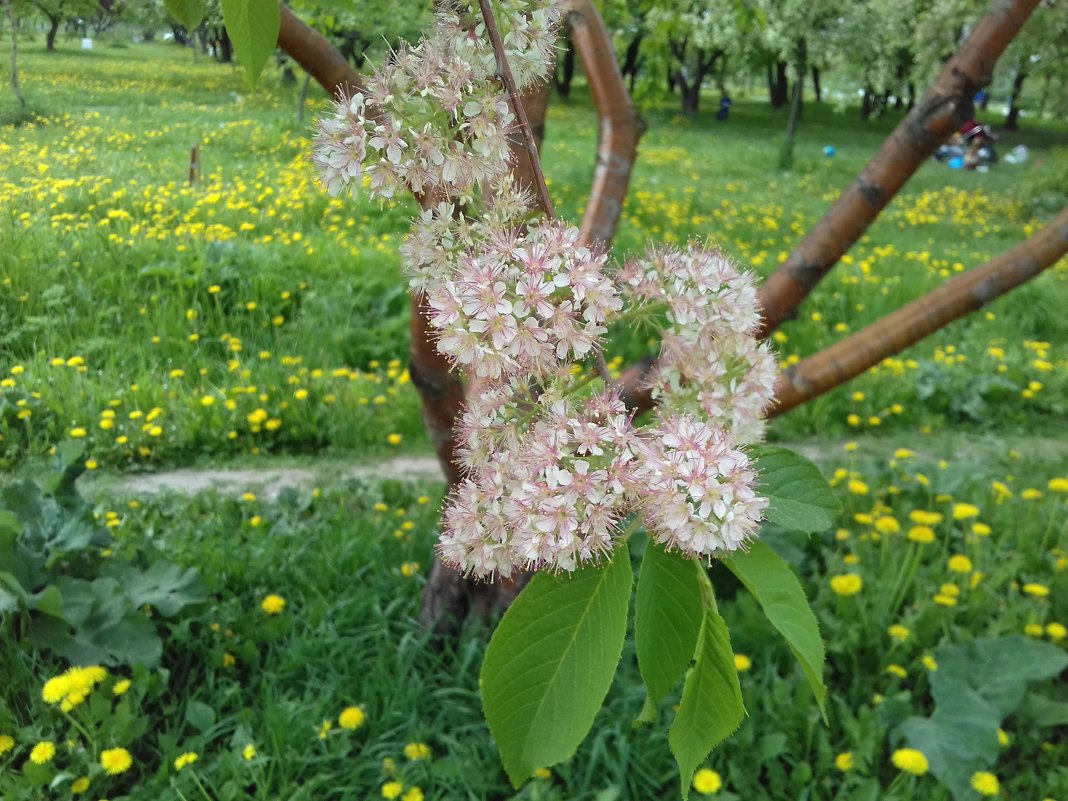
{"x":800,"y":497}
{"x":776,"y":588}
{"x":551,"y":661}
{"x":187,"y":12}
{"x":711,"y":708}
{"x":667,"y":619}
{"x":253,"y":28}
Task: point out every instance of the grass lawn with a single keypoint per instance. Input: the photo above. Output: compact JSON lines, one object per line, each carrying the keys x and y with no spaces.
{"x":250,"y":319}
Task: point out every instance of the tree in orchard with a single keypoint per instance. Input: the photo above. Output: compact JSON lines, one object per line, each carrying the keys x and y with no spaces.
{"x":549,"y":470}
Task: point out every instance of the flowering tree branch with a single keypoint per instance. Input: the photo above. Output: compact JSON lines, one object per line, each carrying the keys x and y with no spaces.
{"x":955,"y":298}
{"x":517,"y":105}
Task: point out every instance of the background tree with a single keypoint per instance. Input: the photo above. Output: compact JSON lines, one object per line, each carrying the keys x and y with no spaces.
{"x":690,"y":38}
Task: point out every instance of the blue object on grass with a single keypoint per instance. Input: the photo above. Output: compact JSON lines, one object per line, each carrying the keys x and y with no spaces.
{"x":956,"y":163}
{"x":829,"y":150}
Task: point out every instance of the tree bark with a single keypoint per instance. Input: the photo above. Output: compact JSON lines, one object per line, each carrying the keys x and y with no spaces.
{"x":1012,"y":119}
{"x":941,"y":111}
{"x":955,"y":298}
{"x":53,"y":29}
{"x":786,"y":161}
{"x":630,"y":60}
{"x":14,"y":53}
{"x":565,"y":71}
{"x":619,"y":126}
{"x":817,"y":90}
{"x":778,"y":85}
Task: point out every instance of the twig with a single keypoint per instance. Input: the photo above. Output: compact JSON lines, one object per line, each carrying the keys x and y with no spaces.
{"x":602,"y":368}
{"x":520,"y":113}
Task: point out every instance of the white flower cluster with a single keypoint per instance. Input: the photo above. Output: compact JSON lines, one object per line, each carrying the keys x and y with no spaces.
{"x":554,"y":463}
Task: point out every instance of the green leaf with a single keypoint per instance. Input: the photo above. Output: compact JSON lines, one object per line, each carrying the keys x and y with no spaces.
{"x":200,"y":716}
{"x":711,"y":708}
{"x":801,"y":499}
{"x":164,"y":586}
{"x":187,"y":12}
{"x":667,"y":619}
{"x":551,"y":660}
{"x":771,"y":581}
{"x":253,"y":28}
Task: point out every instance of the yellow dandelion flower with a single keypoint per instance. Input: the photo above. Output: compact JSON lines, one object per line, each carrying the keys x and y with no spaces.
{"x":188,"y":758}
{"x":985,"y":783}
{"x":394,"y":439}
{"x":7,"y":742}
{"x":79,"y":785}
{"x":945,"y":600}
{"x":1059,"y":484}
{"x":897,"y":670}
{"x":273,"y":604}
{"x":981,"y":529}
{"x":707,"y":782}
{"x":1056,"y":631}
{"x":910,"y":760}
{"x":115,"y":761}
{"x":414,"y":794}
{"x":887,"y":525}
{"x":857,"y":487}
{"x":1036,"y":590}
{"x":846,"y":584}
{"x":898,"y":633}
{"x":742,"y":663}
{"x":924,"y":535}
{"x":351,"y":717}
{"x":925,"y":518}
{"x":121,"y":686}
{"x":417,"y":751}
{"x":959,"y":563}
{"x":962,"y":511}
{"x":929,"y":662}
{"x":844,"y":761}
{"x":392,"y":790}
{"x":248,"y":753}
{"x":1003,"y":738}
{"x":1033,"y":630}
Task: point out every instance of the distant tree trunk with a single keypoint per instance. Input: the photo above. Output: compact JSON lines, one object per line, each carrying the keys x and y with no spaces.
{"x":181,"y":35}
{"x":1012,"y":118}
{"x":14,"y":53}
{"x":565,"y":70}
{"x":816,"y":84}
{"x":630,"y":60}
{"x":690,"y":90}
{"x":786,"y":161}
{"x":912,"y":95}
{"x":224,"y":50}
{"x":778,"y":85}
{"x":53,"y":29}
{"x":867,"y":103}
{"x":303,"y":97}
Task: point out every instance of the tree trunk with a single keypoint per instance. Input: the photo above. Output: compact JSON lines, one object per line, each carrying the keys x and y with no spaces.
{"x":779,"y":85}
{"x":816,"y":84}
{"x":912,"y":96}
{"x":1012,"y":118}
{"x":630,"y":60}
{"x":786,"y":160}
{"x":565,"y":70}
{"x":14,"y":54}
{"x":226,"y":48}
{"x":53,"y":29}
{"x":690,"y":92}
{"x":303,"y":97}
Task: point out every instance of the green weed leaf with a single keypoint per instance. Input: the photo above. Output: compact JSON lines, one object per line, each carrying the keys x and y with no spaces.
{"x":801,"y":499}
{"x":253,"y":27}
{"x":551,"y":660}
{"x":711,"y":708}
{"x":775,"y":587}
{"x":667,"y":619}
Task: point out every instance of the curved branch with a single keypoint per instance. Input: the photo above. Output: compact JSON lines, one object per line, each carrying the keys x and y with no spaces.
{"x":947,"y":103}
{"x":620,"y":125}
{"x":892,"y":334}
{"x":316,"y":55}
